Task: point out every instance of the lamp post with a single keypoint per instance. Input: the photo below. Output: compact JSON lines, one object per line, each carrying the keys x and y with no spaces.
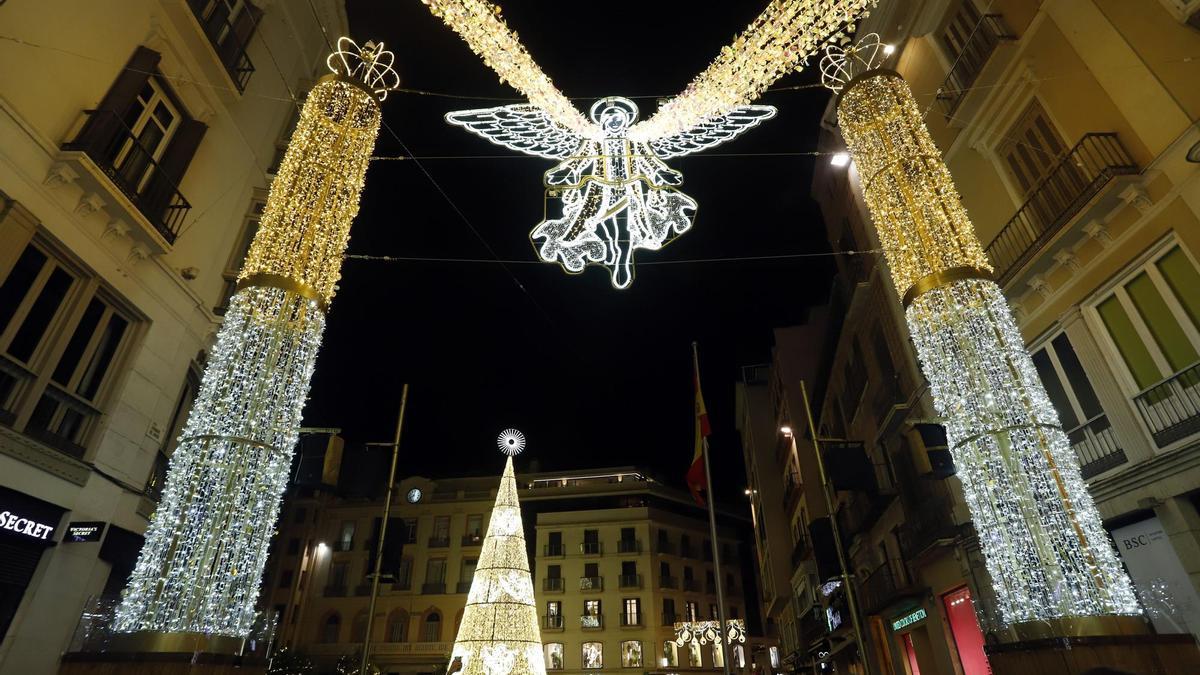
{"x":387,"y":512}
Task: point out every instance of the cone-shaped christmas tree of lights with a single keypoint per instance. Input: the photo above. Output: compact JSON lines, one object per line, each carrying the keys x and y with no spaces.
{"x":499,"y":634}
{"x":201,"y":566}
{"x":1046,"y":551}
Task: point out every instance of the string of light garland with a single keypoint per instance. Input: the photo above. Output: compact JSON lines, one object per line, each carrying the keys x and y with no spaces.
{"x":778,"y":41}
{"x":201,"y":566}
{"x":499,"y":633}
{"x":1048,"y":556}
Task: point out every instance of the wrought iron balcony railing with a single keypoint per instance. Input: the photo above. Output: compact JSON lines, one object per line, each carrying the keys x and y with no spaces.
{"x":591,"y":548}
{"x":928,"y":523}
{"x":552,"y":622}
{"x":439,"y":542}
{"x":632,"y":619}
{"x":463,"y":587}
{"x":591,"y":583}
{"x":1096,"y":445}
{"x":630,"y":581}
{"x":882,"y":588}
{"x":669,"y":618}
{"x":335,"y":591}
{"x":629,"y":546}
{"x":591,"y":621}
{"x":554,"y":551}
{"x":472,"y":540}
{"x":433,"y":588}
{"x":229,"y":39}
{"x":691,"y":585}
{"x":664,"y":547}
{"x":1077,"y":177}
{"x":1171,"y":408}
{"x":133,"y":170}
{"x":969,"y":62}
{"x":554,"y":584}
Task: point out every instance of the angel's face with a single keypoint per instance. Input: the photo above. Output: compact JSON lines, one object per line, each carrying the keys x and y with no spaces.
{"x":614,"y":115}
{"x":614,"y":120}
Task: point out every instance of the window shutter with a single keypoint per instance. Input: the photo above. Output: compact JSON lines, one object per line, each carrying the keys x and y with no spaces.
{"x":164,"y":184}
{"x":103,"y":125}
{"x":243,"y":29}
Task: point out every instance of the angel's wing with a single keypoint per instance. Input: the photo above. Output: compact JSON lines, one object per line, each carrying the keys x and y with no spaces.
{"x":713,"y":131}
{"x":522,"y":127}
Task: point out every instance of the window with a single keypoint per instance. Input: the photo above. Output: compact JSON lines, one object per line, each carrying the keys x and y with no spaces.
{"x":733,"y":612}
{"x":591,"y":608}
{"x":467,"y":574}
{"x":710,"y":581}
{"x":475,"y":526}
{"x":1153,"y":318}
{"x":435,"y":571}
{"x":233,"y":266}
{"x":668,"y":610}
{"x":691,"y":611}
{"x":718,"y":655}
{"x":285,"y":579}
{"x":431,"y":630}
{"x":1031,"y":150}
{"x":685,"y":546}
{"x":854,"y":382}
{"x":554,"y":655}
{"x":670,"y":654}
{"x":591,"y":542}
{"x":553,"y":571}
{"x":591,"y":570}
{"x":337,"y":574}
{"x":739,"y":656}
{"x":346,"y":536}
{"x":404,"y":574}
{"x":158,"y":472}
{"x":593,"y":655}
{"x":693,"y":652}
{"x":554,"y":608}
{"x":1078,"y":408}
{"x":229,"y":25}
{"x":441,"y":531}
{"x":712,"y":611}
{"x":151,"y":121}
{"x":62,"y":340}
{"x":632,"y":614}
{"x":397,"y":626}
{"x":358,"y":629}
{"x":331,"y":628}
{"x":554,"y":544}
{"x":410,"y":530}
{"x":631,"y":654}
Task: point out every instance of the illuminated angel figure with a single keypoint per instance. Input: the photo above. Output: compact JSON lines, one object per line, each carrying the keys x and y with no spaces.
{"x":617,"y":194}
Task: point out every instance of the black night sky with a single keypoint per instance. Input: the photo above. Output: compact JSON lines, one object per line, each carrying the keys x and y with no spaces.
{"x":592,"y":375}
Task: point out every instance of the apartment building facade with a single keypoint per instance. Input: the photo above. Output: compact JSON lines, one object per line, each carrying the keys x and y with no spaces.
{"x":1070,"y":130}
{"x":135,"y":143}
{"x":617,"y":559}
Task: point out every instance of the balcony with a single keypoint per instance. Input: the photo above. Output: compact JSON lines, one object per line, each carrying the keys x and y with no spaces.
{"x":343,"y":545}
{"x":363,"y":589}
{"x":632,"y":619}
{"x":115,"y":161}
{"x":669,"y":618}
{"x":686,"y":551}
{"x":629,"y":546}
{"x":664,"y":547}
{"x":1096,"y":445}
{"x":229,"y":40}
{"x":552,"y":622}
{"x":668,"y":582}
{"x":791,"y":490}
{"x":403,"y":585}
{"x":1171,"y":408}
{"x":463,"y":587}
{"x":591,"y":621}
{"x":1076,"y":178}
{"x":928,"y":524}
{"x":553,"y":584}
{"x":335,"y":591}
{"x":591,"y":548}
{"x":439,"y":542}
{"x":799,"y":552}
{"x":811,"y":625}
{"x":554,"y":551}
{"x":472,"y":540}
{"x":433,"y":588}
{"x":630,"y":581}
{"x":882,"y":588}
{"x":692,"y":585}
{"x":970,"y":61}
{"x":591,"y":583}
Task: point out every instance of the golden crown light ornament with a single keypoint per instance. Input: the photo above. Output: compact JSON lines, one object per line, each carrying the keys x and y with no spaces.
{"x":1044,"y":546}
{"x":201,"y":566}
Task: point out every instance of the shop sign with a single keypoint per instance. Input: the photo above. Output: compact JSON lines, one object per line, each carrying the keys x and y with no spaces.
{"x":81,"y":531}
{"x":909,"y":619}
{"x":18,"y":523}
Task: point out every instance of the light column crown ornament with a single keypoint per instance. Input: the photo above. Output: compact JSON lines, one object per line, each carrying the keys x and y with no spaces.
{"x":511,"y":442}
{"x":200,"y":569}
{"x":499,"y":633}
{"x":1047,"y":553}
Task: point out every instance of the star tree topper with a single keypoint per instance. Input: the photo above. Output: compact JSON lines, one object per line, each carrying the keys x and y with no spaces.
{"x":618,"y":195}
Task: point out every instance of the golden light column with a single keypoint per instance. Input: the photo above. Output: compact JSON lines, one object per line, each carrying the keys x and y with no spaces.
{"x":201,"y":566}
{"x":1046,"y":551}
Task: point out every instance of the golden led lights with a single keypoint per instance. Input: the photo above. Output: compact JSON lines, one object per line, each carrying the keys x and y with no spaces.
{"x":1046,"y":550}
{"x":499,"y":633}
{"x":201,"y":566}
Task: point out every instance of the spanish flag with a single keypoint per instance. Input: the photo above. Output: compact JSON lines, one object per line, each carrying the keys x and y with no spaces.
{"x":696,"y":479}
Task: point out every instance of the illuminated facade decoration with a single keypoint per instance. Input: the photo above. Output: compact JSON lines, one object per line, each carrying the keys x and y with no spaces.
{"x":1046,"y":551}
{"x":708,"y":631}
{"x":778,"y":41}
{"x":201,"y":566}
{"x":617,"y":194}
{"x":499,"y":633}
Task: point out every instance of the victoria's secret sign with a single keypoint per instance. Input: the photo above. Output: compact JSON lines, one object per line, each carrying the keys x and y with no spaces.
{"x":18,"y":523}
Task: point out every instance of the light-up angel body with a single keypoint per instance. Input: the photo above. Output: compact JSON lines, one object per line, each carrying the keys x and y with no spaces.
{"x":618,"y":195}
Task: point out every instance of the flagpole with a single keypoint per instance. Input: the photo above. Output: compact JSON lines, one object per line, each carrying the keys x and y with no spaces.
{"x":712,"y":528}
